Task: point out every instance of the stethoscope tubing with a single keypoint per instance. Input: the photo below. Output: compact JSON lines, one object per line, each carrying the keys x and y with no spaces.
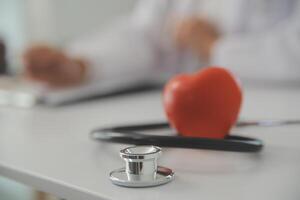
{"x":131,"y":135}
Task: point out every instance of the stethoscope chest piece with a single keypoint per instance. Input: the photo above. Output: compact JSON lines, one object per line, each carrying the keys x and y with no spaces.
{"x":141,"y":169}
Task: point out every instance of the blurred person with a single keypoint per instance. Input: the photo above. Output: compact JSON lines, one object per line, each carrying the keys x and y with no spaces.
{"x":259,"y":40}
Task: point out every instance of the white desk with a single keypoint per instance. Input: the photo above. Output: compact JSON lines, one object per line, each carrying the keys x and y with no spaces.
{"x":50,"y":149}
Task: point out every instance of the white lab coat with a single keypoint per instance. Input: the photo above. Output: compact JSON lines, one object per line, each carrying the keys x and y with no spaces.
{"x":261,"y":41}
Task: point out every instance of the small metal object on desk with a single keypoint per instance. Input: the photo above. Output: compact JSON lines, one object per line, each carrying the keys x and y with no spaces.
{"x":141,"y":168}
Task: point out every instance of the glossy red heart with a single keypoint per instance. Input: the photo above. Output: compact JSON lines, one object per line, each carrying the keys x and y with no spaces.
{"x":204,"y":104}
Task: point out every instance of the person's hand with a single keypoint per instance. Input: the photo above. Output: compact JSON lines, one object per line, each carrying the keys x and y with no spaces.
{"x":198,"y":35}
{"x":52,"y":67}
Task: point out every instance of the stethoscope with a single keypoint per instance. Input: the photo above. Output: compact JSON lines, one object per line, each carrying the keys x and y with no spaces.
{"x":131,"y":135}
{"x":141,"y":168}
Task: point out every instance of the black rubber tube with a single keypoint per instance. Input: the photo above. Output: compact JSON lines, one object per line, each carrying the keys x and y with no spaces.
{"x":130,"y":135}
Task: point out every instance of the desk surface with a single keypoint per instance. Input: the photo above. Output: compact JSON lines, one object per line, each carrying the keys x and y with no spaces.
{"x":50,"y":149}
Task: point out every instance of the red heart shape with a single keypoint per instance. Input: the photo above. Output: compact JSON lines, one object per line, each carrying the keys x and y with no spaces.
{"x":204,"y":104}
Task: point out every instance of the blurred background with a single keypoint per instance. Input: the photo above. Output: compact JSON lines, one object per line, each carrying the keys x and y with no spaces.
{"x":54,"y":21}
{"x":51,"y":21}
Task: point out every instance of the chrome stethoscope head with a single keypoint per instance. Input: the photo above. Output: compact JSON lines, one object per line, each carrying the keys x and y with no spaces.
{"x":141,"y":169}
